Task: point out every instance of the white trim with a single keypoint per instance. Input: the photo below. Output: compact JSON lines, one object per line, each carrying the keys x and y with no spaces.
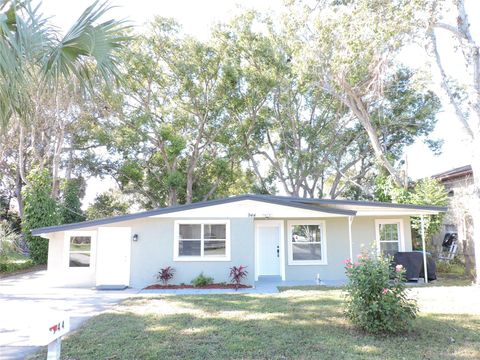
{"x":401,"y":238}
{"x":93,"y":250}
{"x":280,"y":225}
{"x":176,"y":257}
{"x":350,"y":240}
{"x":323,"y":242}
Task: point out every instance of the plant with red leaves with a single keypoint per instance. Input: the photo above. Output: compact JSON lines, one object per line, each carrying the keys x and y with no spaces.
{"x":237,"y":274}
{"x":165,"y":274}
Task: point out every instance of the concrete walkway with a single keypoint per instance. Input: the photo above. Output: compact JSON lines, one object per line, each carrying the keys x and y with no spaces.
{"x":26,"y":301}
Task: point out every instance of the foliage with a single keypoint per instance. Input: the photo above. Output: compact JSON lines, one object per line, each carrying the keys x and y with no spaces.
{"x":237,"y":275}
{"x":450,"y":268}
{"x":376,"y":298}
{"x":166,"y":274}
{"x":352,"y":49}
{"x":40,"y":210}
{"x":429,"y":191}
{"x":426,"y":191}
{"x":71,"y":205}
{"x":202,"y":280}
{"x":9,"y":240}
{"x":9,"y":265}
{"x":34,"y":51}
{"x":106,"y":205}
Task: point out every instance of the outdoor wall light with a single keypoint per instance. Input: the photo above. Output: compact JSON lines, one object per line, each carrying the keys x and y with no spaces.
{"x":135,"y":237}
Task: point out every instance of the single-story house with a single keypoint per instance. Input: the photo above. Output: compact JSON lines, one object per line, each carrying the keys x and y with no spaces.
{"x":290,"y":238}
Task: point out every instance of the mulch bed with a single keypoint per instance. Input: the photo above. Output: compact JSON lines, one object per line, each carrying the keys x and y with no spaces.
{"x":211,"y":286}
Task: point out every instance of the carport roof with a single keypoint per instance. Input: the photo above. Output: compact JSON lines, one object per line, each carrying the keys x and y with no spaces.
{"x":337,"y":207}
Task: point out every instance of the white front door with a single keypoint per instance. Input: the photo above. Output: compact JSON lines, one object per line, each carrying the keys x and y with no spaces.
{"x":268,"y":248}
{"x":113,"y":256}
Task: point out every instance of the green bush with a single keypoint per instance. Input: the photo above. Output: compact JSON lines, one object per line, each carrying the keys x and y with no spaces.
{"x":40,"y":210}
{"x":9,"y":240}
{"x":202,"y":280}
{"x":8,"y":266}
{"x":450,"y":268}
{"x":376,"y":298}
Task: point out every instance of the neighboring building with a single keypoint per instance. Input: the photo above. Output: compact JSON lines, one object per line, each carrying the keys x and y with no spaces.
{"x":289,"y":238}
{"x":458,"y":183}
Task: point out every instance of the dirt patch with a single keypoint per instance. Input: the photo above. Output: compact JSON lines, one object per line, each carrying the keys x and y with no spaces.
{"x":211,"y":286}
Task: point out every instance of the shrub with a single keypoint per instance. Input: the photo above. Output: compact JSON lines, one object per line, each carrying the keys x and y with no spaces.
{"x":9,"y":241}
{"x":202,"y":280}
{"x":376,"y":298}
{"x":166,"y":274}
{"x":8,"y":266}
{"x":237,"y":274}
{"x":41,"y":210}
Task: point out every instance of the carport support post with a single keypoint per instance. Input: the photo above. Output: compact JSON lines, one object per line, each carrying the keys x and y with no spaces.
{"x":350,"y":220}
{"x":424,"y":250}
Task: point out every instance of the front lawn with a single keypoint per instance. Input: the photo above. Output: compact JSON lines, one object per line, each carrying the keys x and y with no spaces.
{"x":291,"y":325}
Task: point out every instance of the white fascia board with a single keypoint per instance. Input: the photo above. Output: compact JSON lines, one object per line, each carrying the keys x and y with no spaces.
{"x":248,"y":208}
{"x":394,"y":212}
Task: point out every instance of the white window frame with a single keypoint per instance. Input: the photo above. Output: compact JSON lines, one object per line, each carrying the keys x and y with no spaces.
{"x":202,"y":257}
{"x":93,"y":244}
{"x":401,"y":238}
{"x":323,"y":242}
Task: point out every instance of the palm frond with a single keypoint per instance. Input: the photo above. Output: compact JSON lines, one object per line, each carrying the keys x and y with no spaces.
{"x":88,"y":47}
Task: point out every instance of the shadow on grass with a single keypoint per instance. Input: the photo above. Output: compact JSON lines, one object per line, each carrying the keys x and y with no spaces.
{"x":255,"y":327}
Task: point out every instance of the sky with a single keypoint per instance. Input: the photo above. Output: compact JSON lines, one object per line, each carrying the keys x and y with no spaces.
{"x":197,"y":17}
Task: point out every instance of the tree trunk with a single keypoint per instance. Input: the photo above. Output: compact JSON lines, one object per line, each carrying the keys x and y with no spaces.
{"x":18,"y":194}
{"x":172,"y":197}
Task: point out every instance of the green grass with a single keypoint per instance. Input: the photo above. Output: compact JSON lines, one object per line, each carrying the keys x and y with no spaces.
{"x":290,"y":325}
{"x":14,"y":262}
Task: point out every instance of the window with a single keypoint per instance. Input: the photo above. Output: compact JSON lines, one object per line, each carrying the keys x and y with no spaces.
{"x":307,"y":243}
{"x":389,"y":236}
{"x":202,"y":240}
{"x":80,"y":251}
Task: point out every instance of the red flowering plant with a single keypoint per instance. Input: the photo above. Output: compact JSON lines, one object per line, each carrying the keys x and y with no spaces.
{"x":166,"y":274}
{"x":376,"y":299}
{"x":237,"y":274}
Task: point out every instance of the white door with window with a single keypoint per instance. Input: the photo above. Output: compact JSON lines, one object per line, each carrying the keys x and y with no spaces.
{"x":113,"y":256}
{"x":268,"y":246}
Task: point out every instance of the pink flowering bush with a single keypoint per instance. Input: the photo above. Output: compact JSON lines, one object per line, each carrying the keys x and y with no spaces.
{"x":376,"y":299}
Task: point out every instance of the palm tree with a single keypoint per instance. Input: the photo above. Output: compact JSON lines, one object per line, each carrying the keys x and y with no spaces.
{"x":37,"y":61}
{"x":32,"y":51}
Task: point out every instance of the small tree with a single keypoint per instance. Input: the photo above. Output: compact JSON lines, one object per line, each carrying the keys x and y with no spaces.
{"x":106,"y":205}
{"x":429,"y":192}
{"x":40,"y":210}
{"x":376,"y":298}
{"x":71,"y":205}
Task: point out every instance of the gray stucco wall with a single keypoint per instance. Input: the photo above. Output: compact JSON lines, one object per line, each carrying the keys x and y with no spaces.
{"x":154,"y":250}
{"x":363,"y":237}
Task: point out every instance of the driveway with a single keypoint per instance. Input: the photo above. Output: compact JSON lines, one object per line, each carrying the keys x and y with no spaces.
{"x":26,"y":299}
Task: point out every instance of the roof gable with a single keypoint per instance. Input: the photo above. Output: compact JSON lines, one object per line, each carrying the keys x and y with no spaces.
{"x":171,"y":210}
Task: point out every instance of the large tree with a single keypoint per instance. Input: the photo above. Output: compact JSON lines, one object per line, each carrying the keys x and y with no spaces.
{"x":463,"y":96}
{"x":168,"y":128}
{"x":41,"y":72}
{"x":351,"y":45}
{"x":296,"y":133}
